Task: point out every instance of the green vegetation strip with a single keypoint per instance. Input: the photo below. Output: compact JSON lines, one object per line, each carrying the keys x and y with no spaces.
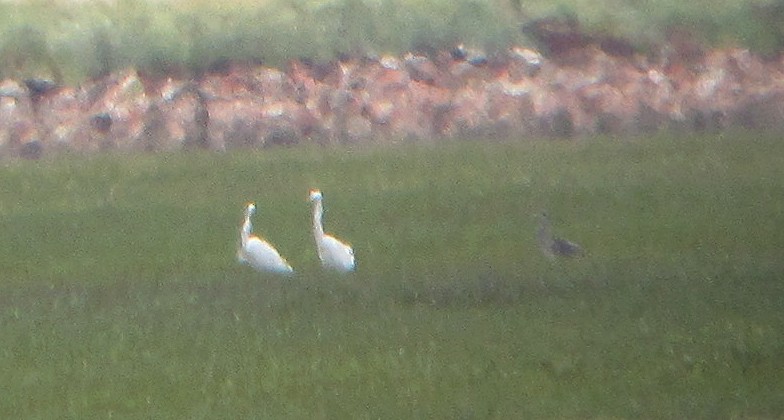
{"x":120,"y":294}
{"x":71,"y":41}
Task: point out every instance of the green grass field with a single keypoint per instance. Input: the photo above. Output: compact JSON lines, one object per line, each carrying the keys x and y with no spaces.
{"x":71,"y":41}
{"x":121,"y":296}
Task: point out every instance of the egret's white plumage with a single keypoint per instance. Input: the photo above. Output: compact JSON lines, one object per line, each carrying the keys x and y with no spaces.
{"x":257,"y":252}
{"x":551,"y":245}
{"x":332,"y":253}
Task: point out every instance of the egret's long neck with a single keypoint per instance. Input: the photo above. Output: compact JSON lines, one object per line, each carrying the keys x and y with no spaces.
{"x":318,"y":211}
{"x":246,"y":229}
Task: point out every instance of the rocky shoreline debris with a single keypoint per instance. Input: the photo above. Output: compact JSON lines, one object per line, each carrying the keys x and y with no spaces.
{"x":457,"y":93}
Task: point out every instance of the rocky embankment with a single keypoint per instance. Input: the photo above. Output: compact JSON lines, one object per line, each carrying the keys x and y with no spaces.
{"x":386,"y":99}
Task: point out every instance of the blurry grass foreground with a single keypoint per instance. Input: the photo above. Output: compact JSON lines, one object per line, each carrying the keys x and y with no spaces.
{"x":121,"y":295}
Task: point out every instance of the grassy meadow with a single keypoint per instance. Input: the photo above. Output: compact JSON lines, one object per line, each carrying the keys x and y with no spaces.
{"x":74,"y":40}
{"x":120,"y":293}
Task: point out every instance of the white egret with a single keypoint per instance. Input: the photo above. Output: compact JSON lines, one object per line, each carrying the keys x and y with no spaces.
{"x":551,"y":245}
{"x":257,"y":252}
{"x":332,"y":253}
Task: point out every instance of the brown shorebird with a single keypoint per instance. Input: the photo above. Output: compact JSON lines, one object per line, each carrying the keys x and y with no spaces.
{"x":551,"y":245}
